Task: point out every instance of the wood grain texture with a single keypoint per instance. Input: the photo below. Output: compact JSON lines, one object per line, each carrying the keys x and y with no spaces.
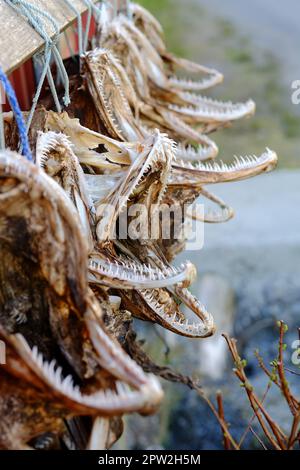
{"x":19,"y":41}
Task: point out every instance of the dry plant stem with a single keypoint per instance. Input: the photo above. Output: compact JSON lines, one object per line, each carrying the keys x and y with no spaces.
{"x":284,"y":386}
{"x":227,"y":444}
{"x":137,"y":353}
{"x":257,"y":437}
{"x":292,"y":371}
{"x":278,"y":437}
{"x":249,"y":427}
{"x":295,"y":431}
{"x":222,"y":422}
{"x":273,"y":378}
{"x":281,"y":372}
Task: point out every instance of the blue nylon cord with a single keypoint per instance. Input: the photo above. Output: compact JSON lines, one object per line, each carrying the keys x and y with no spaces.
{"x":2,"y":136}
{"x":10,"y":93}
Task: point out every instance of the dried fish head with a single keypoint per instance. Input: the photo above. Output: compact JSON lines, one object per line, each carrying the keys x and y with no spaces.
{"x":51,"y":304}
{"x":55,"y":155}
{"x":108,"y":95}
{"x":148,"y":172}
{"x":40,"y":395}
{"x":91,"y":148}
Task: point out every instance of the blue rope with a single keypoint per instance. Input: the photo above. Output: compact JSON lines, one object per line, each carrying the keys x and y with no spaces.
{"x":10,"y":93}
{"x":2,"y":136}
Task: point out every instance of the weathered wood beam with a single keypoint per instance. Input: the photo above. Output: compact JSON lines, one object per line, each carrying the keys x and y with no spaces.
{"x":19,"y":41}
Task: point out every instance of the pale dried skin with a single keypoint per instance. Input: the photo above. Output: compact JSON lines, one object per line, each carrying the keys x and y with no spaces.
{"x":86,"y":141}
{"x":103,"y":267}
{"x":153,"y":31}
{"x":109,"y":98}
{"x":148,"y":175}
{"x":150,"y":169}
{"x":108,"y":269}
{"x":55,"y":155}
{"x":43,"y":397}
{"x":106,"y":83}
{"x":192,"y":108}
{"x":139,"y":186}
{"x":155,"y":100}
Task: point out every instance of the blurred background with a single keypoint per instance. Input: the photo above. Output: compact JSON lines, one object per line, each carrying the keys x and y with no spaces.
{"x":248,"y":270}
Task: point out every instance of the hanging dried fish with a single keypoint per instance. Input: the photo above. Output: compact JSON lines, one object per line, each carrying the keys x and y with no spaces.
{"x":50,"y":313}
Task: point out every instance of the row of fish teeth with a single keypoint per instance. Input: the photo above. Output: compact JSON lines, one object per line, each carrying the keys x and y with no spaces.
{"x":50,"y":141}
{"x":183,"y":325}
{"x":240,"y":163}
{"x":105,"y":399}
{"x":134,"y":271}
{"x":195,"y":302}
{"x":226,"y":113}
{"x":107,"y":106}
{"x":201,"y":153}
{"x":118,"y":84}
{"x":212,"y":102}
{"x":117,"y":353}
{"x":223,"y":215}
{"x":12,"y":167}
{"x":109,"y":112}
{"x":154,"y":157}
{"x":193,"y":84}
{"x":18,"y":317}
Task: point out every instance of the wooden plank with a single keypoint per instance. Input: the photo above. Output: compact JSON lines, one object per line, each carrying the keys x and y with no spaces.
{"x":19,"y":41}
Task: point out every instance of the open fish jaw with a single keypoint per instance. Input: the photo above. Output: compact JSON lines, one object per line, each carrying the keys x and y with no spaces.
{"x":204,"y":112}
{"x":155,"y":156}
{"x":130,"y":275}
{"x":40,"y":185}
{"x":103,"y":402}
{"x":215,"y":172}
{"x":180,"y":325}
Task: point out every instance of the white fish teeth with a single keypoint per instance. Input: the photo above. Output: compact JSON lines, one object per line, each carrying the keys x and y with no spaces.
{"x":226,"y":112}
{"x":128,"y":271}
{"x":239,"y":164}
{"x":188,"y":84}
{"x":199,"y":154}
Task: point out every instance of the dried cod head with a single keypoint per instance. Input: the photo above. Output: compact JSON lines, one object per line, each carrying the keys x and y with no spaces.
{"x":47,"y":306}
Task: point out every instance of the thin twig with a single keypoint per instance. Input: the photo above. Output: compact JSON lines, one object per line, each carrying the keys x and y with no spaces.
{"x":273,"y":378}
{"x":281,"y":373}
{"x":164,"y":342}
{"x":227,"y":445}
{"x":292,"y":371}
{"x":258,"y":438}
{"x":253,"y":417}
{"x":294,"y":431}
{"x":254,"y":400}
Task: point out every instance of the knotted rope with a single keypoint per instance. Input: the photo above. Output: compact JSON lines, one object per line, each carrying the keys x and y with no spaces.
{"x":37,"y":17}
